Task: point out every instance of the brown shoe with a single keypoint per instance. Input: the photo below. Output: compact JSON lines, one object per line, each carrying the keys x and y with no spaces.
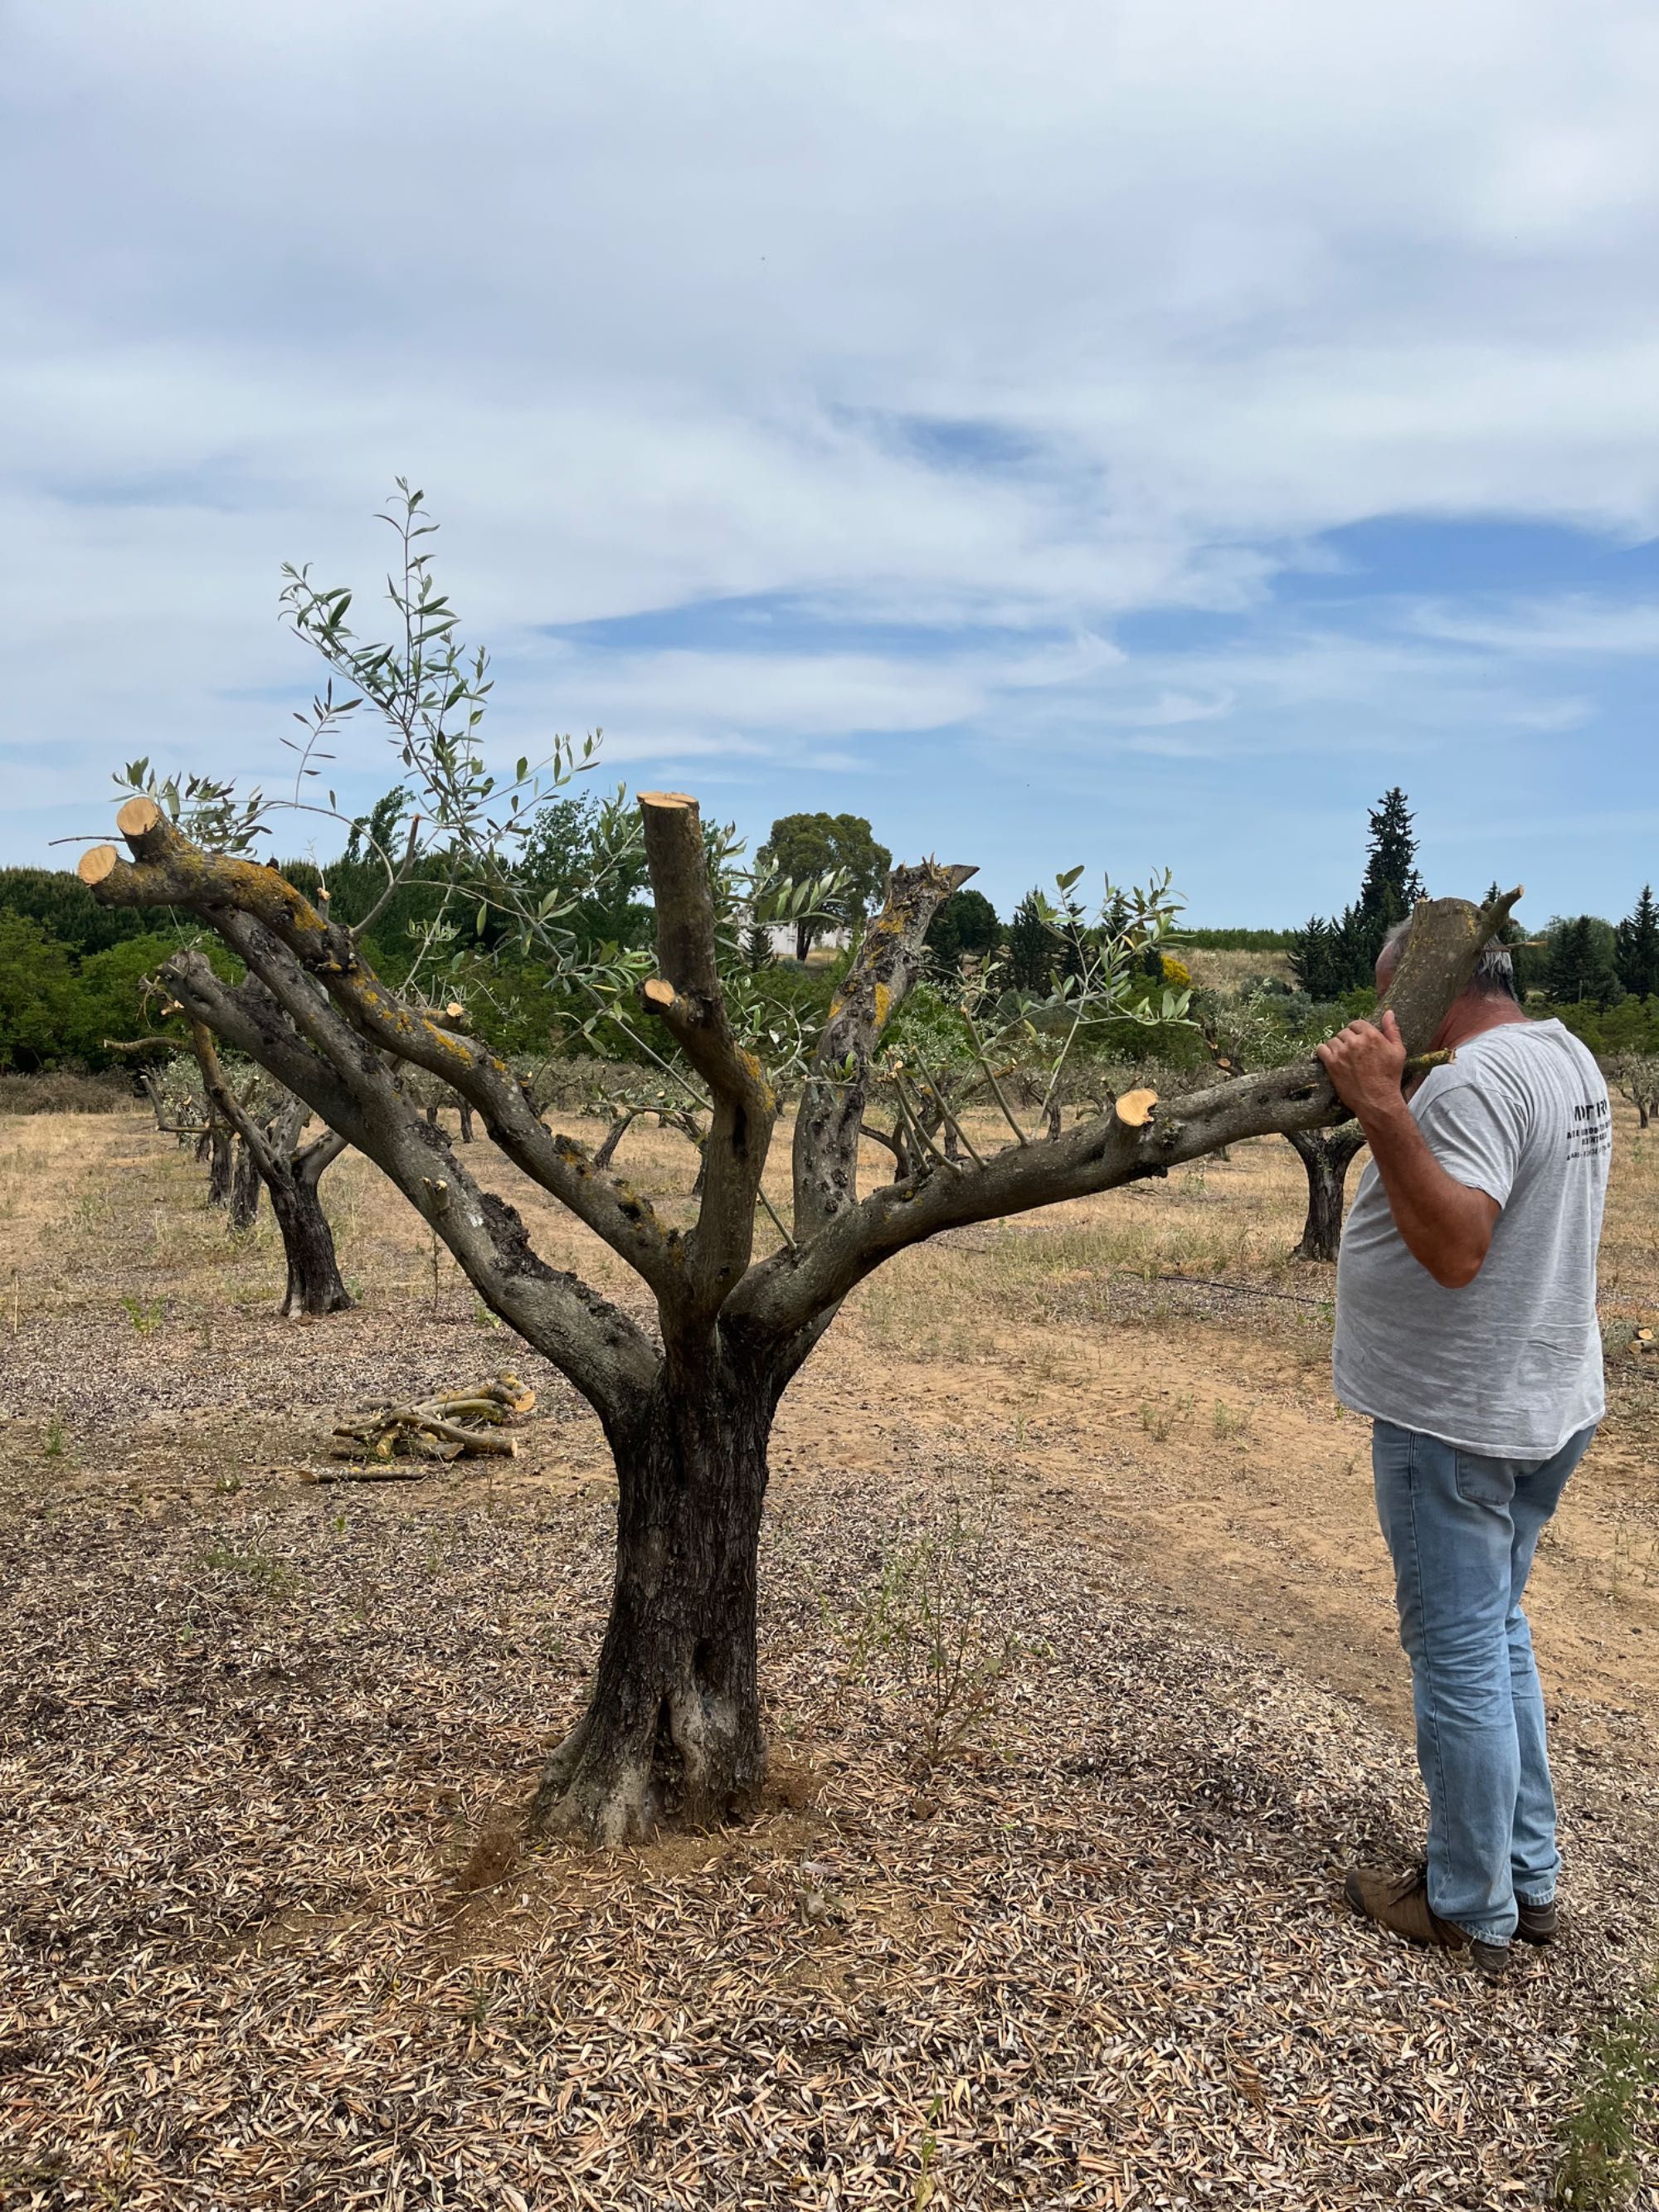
{"x":1400,"y":1902}
{"x":1536,"y":1923}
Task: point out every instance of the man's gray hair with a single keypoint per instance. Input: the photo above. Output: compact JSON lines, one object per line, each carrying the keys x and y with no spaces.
{"x":1494,"y":971}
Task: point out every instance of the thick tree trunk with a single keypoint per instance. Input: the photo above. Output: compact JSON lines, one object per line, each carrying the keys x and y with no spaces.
{"x":314,"y":1286}
{"x":245,"y":1187}
{"x":219,"y":1164}
{"x":672,"y":1730}
{"x":1326,"y":1154}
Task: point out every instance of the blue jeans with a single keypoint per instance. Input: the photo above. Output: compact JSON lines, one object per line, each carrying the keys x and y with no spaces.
{"x":1462,"y":1531}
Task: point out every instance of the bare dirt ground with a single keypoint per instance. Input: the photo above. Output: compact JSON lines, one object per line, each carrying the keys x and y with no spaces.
{"x":268,"y":1935}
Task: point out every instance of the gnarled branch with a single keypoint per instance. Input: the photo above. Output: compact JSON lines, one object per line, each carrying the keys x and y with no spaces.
{"x":256,"y":912}
{"x":832,"y":1106}
{"x":685,"y":996}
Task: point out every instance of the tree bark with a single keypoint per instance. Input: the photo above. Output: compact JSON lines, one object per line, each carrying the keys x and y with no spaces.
{"x":466,"y":1121}
{"x":1326,"y":1154}
{"x":314,"y":1286}
{"x":220,"y":1169}
{"x":245,"y":1187}
{"x":620,"y":1126}
{"x":673,"y":1729}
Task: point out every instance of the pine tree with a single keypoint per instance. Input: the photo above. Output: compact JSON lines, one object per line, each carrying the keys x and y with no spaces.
{"x":1392,"y":885}
{"x":1330,"y":957}
{"x":1316,"y":959}
{"x":1581,"y":970}
{"x":1636,"y":947}
{"x":1391,"y":888}
{"x":1031,"y":947}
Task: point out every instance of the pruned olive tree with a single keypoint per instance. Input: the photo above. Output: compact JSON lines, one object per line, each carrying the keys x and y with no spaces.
{"x":1637,"y":1075}
{"x":673,"y":1728}
{"x":270,"y":1132}
{"x":1326,"y":1156}
{"x":255,"y":1129}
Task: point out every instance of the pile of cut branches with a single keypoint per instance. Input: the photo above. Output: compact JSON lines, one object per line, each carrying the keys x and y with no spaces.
{"x":454,"y":1424}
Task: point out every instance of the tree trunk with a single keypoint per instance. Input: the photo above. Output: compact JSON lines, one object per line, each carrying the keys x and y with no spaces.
{"x":1326,"y":1154}
{"x":219,"y":1166}
{"x":803,"y":940}
{"x":672,"y":1730}
{"x":620,"y":1126}
{"x":245,"y":1187}
{"x":314,"y":1286}
{"x":467,"y":1122}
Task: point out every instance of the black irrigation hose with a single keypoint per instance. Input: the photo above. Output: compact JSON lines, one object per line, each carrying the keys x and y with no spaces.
{"x":1238,"y":1289}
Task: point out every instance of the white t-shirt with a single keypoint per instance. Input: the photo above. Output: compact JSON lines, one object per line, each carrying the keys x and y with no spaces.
{"x":1511,"y":1365}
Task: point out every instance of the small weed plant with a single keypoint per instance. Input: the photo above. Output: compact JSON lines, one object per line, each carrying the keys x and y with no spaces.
{"x":926,"y":1619}
{"x":146,"y":1315}
{"x":272,"y":1576}
{"x":1610,"y":2135}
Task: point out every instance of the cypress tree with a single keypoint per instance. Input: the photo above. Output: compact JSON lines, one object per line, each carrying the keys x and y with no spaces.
{"x":1031,"y":947}
{"x":1636,"y":947}
{"x":1330,"y":957}
{"x":1581,"y":970}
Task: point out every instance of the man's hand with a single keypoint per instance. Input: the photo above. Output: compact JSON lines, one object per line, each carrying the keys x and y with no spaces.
{"x":1446,"y":1225}
{"x":1366,"y":1063}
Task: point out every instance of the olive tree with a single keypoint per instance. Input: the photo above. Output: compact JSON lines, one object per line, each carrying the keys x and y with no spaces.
{"x":687,"y":1390}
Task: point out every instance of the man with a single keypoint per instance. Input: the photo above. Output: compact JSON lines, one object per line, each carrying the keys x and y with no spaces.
{"x":1466,"y":1328}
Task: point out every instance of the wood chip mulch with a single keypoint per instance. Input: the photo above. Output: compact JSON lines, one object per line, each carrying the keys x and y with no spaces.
{"x":266,"y":1938}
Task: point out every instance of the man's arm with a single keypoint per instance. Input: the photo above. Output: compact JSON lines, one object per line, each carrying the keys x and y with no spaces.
{"x":1446,"y":1225}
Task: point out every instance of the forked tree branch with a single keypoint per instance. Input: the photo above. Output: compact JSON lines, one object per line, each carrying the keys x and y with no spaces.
{"x":833,"y":1101}
{"x":293,"y":1017}
{"x":598,"y":1348}
{"x":685,"y":996}
{"x":253,"y":909}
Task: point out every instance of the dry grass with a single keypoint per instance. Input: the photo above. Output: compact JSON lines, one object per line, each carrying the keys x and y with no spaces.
{"x":62,"y":1091}
{"x":1234,"y":970}
{"x":268,"y":1938}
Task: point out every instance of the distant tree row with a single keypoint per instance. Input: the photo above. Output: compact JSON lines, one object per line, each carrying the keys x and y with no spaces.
{"x":72,"y":972}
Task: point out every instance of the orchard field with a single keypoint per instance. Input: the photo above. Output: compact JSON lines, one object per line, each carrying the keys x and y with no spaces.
{"x":1082,"y":1685}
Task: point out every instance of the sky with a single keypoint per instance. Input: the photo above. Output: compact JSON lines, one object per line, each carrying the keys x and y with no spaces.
{"x":1132,"y":434}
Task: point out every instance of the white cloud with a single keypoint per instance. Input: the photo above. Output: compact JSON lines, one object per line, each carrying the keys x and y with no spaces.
{"x":1006,"y":323}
